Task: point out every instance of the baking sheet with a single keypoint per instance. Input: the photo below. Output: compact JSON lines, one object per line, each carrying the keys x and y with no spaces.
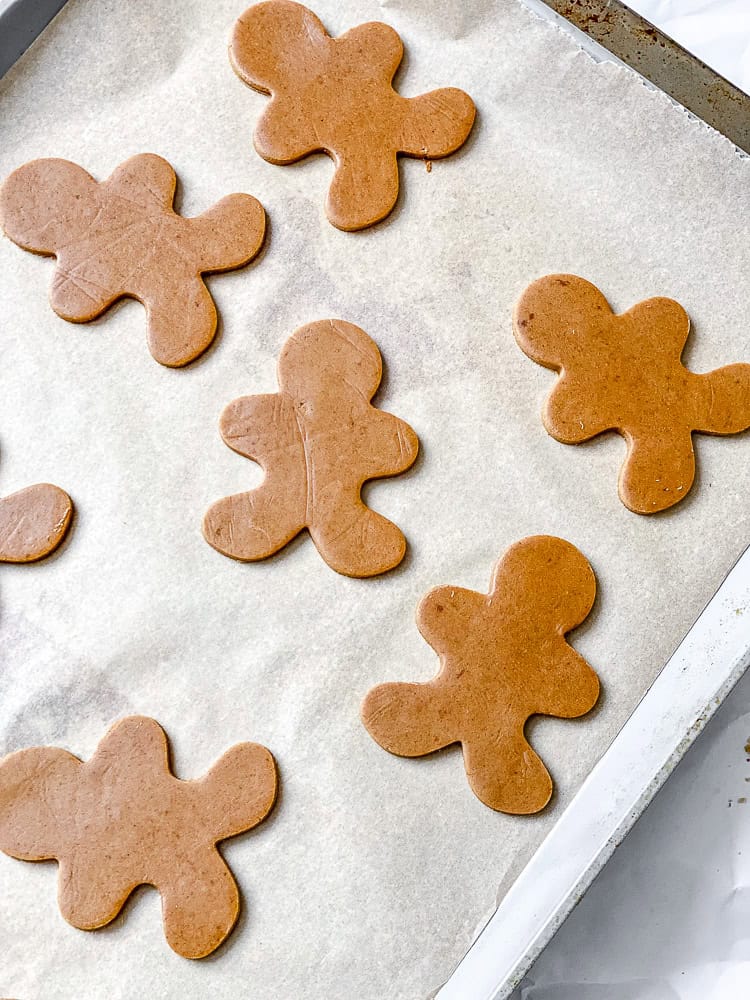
{"x":717,"y":31}
{"x":373,"y":873}
{"x":680,"y":901}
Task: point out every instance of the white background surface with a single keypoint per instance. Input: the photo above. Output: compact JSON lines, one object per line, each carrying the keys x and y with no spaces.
{"x":669,"y":918}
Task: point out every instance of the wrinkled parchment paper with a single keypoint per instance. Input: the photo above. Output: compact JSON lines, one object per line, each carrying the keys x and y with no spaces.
{"x":373,"y":873}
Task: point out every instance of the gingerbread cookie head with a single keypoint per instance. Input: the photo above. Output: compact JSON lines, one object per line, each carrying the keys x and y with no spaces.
{"x":33,"y":522}
{"x":318,"y":440}
{"x":122,"y":238}
{"x":624,"y":373}
{"x":122,"y":820}
{"x":335,"y":95}
{"x":503,"y":658}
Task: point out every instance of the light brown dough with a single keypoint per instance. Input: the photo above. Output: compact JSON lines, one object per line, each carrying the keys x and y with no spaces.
{"x":122,"y":237}
{"x":318,"y":440}
{"x":122,"y":820}
{"x":624,"y":373}
{"x":503,"y":658}
{"x":33,"y":522}
{"x":335,"y":95}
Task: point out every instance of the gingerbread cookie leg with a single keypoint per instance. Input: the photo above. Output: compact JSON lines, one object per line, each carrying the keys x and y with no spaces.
{"x":506,"y":774}
{"x":33,"y":522}
{"x":182,"y":325}
{"x":199,"y":916}
{"x":408,"y":720}
{"x":657,"y":473}
{"x":353,"y":539}
{"x":363,"y":190}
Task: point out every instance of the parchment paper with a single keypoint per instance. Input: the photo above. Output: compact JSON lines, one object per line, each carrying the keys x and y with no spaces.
{"x":373,"y":873}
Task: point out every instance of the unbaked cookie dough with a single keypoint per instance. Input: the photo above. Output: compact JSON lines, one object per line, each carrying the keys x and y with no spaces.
{"x":318,"y":440}
{"x":122,"y":820}
{"x":624,"y":373}
{"x":503,"y":658}
{"x":122,"y":237}
{"x":335,"y":95}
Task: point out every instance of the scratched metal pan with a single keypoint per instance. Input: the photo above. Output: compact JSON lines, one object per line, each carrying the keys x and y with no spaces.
{"x":713,"y":655}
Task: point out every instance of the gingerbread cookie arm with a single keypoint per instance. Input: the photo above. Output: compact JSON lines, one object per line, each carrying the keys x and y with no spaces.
{"x":567,"y":415}
{"x":392,"y":445}
{"x":239,"y":791}
{"x":35,"y":801}
{"x":198,"y":916}
{"x":284,"y":133}
{"x":253,"y":525}
{"x":725,"y":399}
{"x":436,"y":124}
{"x":229,"y":234}
{"x":33,"y":522}
{"x":662,"y":323}
{"x":409,"y":720}
{"x":74,"y":295}
{"x":506,"y":774}
{"x":445,"y":614}
{"x":146,"y":180}
{"x":567,"y":687}
{"x":364,"y":188}
{"x":658,"y":472}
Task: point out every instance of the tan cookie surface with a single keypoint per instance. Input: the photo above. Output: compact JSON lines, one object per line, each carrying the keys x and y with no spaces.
{"x":121,"y":237}
{"x":503,"y":658}
{"x":33,"y":522}
{"x":624,"y":373}
{"x":122,"y":819}
{"x":318,"y":440}
{"x":335,"y":95}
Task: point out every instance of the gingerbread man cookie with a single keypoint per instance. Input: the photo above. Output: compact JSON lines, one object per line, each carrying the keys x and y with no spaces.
{"x":503,"y":658}
{"x":318,"y":440}
{"x":122,"y":820}
{"x":335,"y":95}
{"x":624,"y":373}
{"x":122,"y":238}
{"x":33,"y":522}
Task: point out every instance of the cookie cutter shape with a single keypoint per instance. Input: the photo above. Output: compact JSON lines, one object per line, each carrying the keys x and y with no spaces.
{"x":624,"y":373}
{"x":335,"y":95}
{"x":503,"y":658}
{"x":122,"y":820}
{"x":122,"y":238}
{"x":33,"y":522}
{"x":318,"y":440}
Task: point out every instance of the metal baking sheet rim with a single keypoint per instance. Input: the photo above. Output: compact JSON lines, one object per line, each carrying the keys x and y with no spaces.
{"x":584,"y":838}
